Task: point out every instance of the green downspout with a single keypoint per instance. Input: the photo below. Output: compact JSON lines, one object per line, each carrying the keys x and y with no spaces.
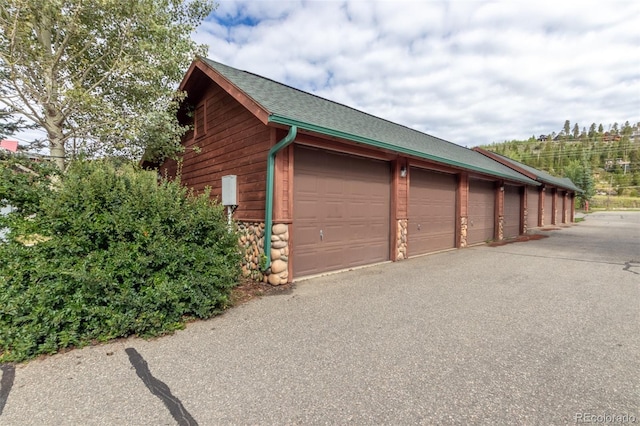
{"x":268,"y":211}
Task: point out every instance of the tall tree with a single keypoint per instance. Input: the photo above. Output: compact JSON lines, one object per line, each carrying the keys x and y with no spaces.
{"x":614,"y":129}
{"x":8,"y":124}
{"x":579,"y":172}
{"x":566,"y":128}
{"x":99,"y":76}
{"x":576,"y":131}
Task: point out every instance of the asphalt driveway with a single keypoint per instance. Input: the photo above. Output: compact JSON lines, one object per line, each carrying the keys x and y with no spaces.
{"x":540,"y":332}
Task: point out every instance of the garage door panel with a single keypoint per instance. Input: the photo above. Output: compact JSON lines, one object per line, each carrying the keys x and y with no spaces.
{"x":512,"y":203}
{"x":351,"y":206}
{"x":560,"y":207}
{"x":307,"y":209}
{"x":332,"y":257}
{"x":481,"y":221}
{"x":532,"y":207}
{"x":432,"y":212}
{"x":548,"y":207}
{"x":306,"y":234}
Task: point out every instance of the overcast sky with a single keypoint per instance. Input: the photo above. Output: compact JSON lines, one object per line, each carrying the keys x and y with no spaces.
{"x":471,"y":72}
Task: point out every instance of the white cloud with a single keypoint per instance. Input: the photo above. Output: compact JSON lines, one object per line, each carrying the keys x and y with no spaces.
{"x":471,"y":72}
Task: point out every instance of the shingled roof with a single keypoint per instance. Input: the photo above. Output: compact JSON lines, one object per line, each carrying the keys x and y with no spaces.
{"x":539,"y":175}
{"x":289,"y":106}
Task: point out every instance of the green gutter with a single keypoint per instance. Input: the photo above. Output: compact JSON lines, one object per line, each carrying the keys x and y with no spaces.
{"x":336,"y":133}
{"x":268,"y":211}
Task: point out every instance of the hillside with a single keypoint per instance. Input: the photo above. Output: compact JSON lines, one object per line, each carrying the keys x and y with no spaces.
{"x":600,"y":162}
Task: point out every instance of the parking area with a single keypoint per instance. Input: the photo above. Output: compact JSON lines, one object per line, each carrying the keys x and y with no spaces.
{"x":538,"y":332}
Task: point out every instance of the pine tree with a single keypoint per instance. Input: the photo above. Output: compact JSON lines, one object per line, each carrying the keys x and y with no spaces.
{"x":576,"y":131}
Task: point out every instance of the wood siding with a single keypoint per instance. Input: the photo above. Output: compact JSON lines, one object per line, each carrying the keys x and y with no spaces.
{"x":283,"y":184}
{"x":228,"y":140}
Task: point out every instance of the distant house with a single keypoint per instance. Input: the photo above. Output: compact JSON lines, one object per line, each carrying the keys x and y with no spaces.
{"x":611,"y":137}
{"x":608,"y":164}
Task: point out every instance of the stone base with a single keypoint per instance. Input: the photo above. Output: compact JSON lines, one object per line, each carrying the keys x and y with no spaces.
{"x":278,"y":273}
{"x":251,"y":243}
{"x":401,"y":239}
{"x":463,"y":231}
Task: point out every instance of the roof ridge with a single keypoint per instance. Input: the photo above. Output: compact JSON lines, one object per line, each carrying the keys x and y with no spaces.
{"x":335,"y":103}
{"x":537,"y":171}
{"x":287,"y":104}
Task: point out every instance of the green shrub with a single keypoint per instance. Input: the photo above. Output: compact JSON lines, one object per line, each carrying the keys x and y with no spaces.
{"x":116,"y":253}
{"x":23,"y":183}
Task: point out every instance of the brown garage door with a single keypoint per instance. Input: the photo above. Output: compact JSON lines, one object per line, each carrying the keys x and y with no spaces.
{"x":341,"y":211}
{"x":511,"y":211}
{"x":481,"y":211}
{"x":432,"y":212}
{"x":532,"y":207}
{"x":548,"y":207}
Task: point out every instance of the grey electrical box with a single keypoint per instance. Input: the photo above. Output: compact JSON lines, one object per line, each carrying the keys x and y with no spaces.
{"x":229,"y":190}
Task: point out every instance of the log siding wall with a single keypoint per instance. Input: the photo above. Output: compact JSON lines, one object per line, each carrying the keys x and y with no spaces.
{"x":230,"y":141}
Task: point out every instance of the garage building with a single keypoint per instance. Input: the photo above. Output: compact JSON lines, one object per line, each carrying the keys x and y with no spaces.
{"x":324,"y":187}
{"x":551,"y":203}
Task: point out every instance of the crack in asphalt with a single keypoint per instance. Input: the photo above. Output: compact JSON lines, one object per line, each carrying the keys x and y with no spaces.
{"x":631,"y":264}
{"x":160,"y":389}
{"x":627,"y":265}
{"x":564,"y":258}
{"x":8,"y":375}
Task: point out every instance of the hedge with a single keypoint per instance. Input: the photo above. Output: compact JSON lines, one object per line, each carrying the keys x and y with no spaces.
{"x":109,"y":252}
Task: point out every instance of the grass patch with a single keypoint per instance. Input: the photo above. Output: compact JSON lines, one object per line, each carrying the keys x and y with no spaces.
{"x":611,"y":202}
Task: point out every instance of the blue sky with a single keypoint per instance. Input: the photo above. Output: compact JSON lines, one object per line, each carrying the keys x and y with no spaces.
{"x":471,"y":72}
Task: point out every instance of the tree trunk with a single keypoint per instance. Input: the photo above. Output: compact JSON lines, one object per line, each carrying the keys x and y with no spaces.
{"x":53,"y":117}
{"x":56,"y":147}
{"x":53,"y":126}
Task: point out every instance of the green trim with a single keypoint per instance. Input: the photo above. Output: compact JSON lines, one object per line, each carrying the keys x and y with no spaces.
{"x":268,"y":210}
{"x":273,"y":118}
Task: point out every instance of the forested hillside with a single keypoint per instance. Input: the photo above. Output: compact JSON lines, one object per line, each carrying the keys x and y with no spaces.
{"x":600,"y":160}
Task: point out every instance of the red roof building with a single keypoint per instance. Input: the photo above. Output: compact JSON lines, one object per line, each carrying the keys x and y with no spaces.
{"x":9,"y":145}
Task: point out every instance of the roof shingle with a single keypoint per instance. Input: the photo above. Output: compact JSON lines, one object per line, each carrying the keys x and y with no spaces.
{"x":287,"y":105}
{"x":541,"y":175}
